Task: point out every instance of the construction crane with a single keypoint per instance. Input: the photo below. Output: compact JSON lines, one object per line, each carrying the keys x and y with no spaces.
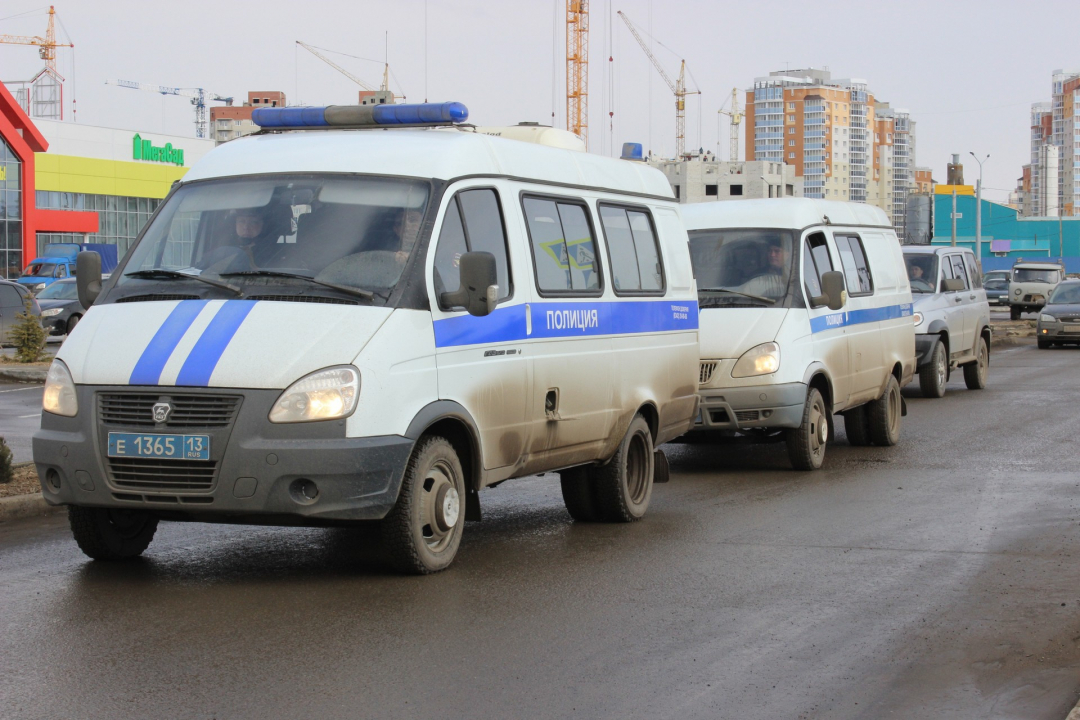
{"x":678,"y":87}
{"x":46,"y":45}
{"x":198,"y":99}
{"x":385,"y":87}
{"x":736,"y":120}
{"x":577,"y":68}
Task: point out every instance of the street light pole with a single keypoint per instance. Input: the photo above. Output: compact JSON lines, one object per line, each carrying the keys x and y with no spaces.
{"x":767,"y":185}
{"x":978,"y":208}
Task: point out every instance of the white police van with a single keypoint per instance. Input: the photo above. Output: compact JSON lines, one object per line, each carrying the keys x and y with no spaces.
{"x":805,"y":312}
{"x":329,"y":326}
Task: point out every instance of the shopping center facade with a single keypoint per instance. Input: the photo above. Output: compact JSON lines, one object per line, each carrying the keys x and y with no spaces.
{"x":67,"y":182}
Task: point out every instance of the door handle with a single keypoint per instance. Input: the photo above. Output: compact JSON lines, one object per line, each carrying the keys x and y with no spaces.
{"x":971,"y":297}
{"x":958,"y":299}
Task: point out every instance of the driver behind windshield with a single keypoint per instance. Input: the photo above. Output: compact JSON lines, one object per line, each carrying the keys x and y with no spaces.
{"x":771,"y":280}
{"x":254,"y":244}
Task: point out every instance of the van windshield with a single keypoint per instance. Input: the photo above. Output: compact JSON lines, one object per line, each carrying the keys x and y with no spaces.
{"x":40,"y":270}
{"x":322,"y":232}
{"x":922,"y":272}
{"x":1035,"y":276}
{"x":746,"y":267}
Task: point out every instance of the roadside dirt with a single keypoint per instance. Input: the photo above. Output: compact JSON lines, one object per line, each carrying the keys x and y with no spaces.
{"x":25,"y":481}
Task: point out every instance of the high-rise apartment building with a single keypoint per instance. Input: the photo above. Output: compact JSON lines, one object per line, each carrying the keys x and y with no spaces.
{"x":1050,"y":184}
{"x":233,"y":121}
{"x":844,"y":144}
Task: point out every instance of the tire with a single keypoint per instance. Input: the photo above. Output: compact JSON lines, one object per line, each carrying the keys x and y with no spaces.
{"x":1014,"y":313}
{"x":72,"y":322}
{"x":806,"y":443}
{"x":1043,"y":344}
{"x":857,"y":426}
{"x":422,"y":533}
{"x":578,"y":492}
{"x":934,"y":375}
{"x":624,"y":485}
{"x":975,"y":373}
{"x":109,"y":534}
{"x":884,"y":415}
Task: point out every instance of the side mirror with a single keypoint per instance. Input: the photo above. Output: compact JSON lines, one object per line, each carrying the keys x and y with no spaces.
{"x":479,"y":290}
{"x":833,"y":291}
{"x":952,"y":285}
{"x":88,"y":277}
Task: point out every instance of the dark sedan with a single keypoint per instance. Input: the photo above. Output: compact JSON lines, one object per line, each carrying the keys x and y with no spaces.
{"x":60,"y":307}
{"x":997,"y":291}
{"x":1059,"y":318}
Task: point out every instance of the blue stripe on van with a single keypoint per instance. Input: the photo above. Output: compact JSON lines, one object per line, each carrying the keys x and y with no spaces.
{"x":568,"y":319}
{"x":148,"y":369}
{"x":204,"y":357}
{"x":858,"y":317}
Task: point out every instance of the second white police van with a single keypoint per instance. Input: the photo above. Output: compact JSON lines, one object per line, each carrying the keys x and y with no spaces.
{"x":329,"y":326}
{"x":805,"y":312}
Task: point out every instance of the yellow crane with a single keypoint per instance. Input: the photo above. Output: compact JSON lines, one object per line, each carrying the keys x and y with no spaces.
{"x":577,"y":68}
{"x":736,"y":120}
{"x":385,"y":87}
{"x":46,"y":45}
{"x":678,"y":87}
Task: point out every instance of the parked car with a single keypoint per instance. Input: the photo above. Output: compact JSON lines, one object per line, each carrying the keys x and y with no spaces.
{"x":997,"y":291}
{"x":60,"y":307}
{"x":1059,"y":319}
{"x":344,"y":325}
{"x":805,"y":312}
{"x":1030,"y":284}
{"x":952,"y":316}
{"x":996,"y":275}
{"x":12,"y":303}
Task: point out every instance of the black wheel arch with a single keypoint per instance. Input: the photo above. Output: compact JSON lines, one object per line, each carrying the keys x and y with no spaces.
{"x":450,"y":420}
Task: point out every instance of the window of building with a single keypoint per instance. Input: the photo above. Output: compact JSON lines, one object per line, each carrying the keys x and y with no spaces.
{"x":735,"y":190}
{"x":791,"y":131}
{"x":791,"y":143}
{"x":564,"y":252}
{"x":791,"y":118}
{"x":710,"y":191}
{"x":633,"y":251}
{"x":791,"y":156}
{"x":473,"y":223}
{"x":791,"y":106}
{"x":11,"y":259}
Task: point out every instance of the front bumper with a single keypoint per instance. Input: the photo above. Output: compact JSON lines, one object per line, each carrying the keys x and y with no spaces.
{"x":256,"y":466}
{"x":1058,"y":332}
{"x":746,"y":408}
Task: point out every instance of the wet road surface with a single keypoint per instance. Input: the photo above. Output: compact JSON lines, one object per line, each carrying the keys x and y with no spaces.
{"x":20,"y":417}
{"x":937,"y":579}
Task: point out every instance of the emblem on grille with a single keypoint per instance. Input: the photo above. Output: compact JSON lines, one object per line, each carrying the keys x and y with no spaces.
{"x":162,"y":411}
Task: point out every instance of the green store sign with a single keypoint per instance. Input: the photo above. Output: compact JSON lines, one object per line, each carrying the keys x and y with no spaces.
{"x":145,"y":150}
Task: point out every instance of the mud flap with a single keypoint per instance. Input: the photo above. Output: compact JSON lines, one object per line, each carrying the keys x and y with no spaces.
{"x":903,"y":406}
{"x":661,"y":469}
{"x":472,"y":506}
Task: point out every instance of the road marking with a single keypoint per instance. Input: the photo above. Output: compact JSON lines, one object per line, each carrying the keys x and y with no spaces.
{"x":30,"y":416}
{"x":32,"y":387}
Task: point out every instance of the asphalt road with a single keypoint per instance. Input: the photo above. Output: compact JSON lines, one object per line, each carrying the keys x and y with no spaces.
{"x":938,"y":579}
{"x":20,"y":417}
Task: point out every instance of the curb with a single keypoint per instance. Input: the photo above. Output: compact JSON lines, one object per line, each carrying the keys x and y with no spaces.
{"x":1011,"y":341}
{"x":23,"y":375}
{"x":1075,"y":714}
{"x":23,"y":506}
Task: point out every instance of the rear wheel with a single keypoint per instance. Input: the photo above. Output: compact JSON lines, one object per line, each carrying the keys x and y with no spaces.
{"x":72,"y":322}
{"x":806,"y":443}
{"x":422,"y":533}
{"x":110,"y":534}
{"x":933,"y":375}
{"x":884,"y":414}
{"x":975,"y":373}
{"x":857,"y":426}
{"x":624,"y":485}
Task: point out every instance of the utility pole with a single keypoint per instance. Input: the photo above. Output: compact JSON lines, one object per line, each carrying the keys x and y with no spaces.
{"x":954,"y":216}
{"x":1061,"y":241}
{"x":978,"y":209}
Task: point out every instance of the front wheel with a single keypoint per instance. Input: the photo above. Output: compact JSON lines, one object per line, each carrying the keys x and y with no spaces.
{"x":885,"y":415}
{"x":1044,"y":344}
{"x":933,"y":375}
{"x":975,"y":373}
{"x":422,"y":533}
{"x":806,"y":443}
{"x":623,"y":487}
{"x":72,"y":322}
{"x":108,"y":534}
{"x":1014,"y":313}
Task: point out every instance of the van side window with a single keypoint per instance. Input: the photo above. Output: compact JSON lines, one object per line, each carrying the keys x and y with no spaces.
{"x":856,"y":269}
{"x":954,"y":269}
{"x":473,"y":223}
{"x":632,"y":250}
{"x":974,"y":271}
{"x":816,"y":262}
{"x":564,"y":251}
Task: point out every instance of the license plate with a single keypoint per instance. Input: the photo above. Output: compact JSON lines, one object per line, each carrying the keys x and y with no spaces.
{"x":173,"y":447}
{"x":1071,"y":328}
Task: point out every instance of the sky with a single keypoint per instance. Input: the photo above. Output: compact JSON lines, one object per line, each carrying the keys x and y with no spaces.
{"x":967,"y":71}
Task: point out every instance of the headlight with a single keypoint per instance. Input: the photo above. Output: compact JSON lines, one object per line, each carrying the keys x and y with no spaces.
{"x":38,"y":288}
{"x":59,"y":398}
{"x":323,"y":395}
{"x":918,"y":318}
{"x":1047,"y":318}
{"x":1017,"y":291}
{"x":51,"y":311}
{"x":761,"y":360}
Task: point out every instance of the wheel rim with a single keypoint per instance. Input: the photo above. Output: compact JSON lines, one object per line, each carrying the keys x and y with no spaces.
{"x":440,"y":507}
{"x":637,"y":466}
{"x":942,"y":372}
{"x":125,"y":523}
{"x":818,"y":428}
{"x":894,"y":410}
{"x":984,"y":362}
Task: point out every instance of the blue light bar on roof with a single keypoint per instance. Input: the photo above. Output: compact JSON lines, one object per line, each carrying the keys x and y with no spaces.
{"x":361,"y":115}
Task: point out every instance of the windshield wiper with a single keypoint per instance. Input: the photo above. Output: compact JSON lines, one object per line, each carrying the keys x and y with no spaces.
{"x":741,"y":294}
{"x":366,"y":294}
{"x":162,"y":273}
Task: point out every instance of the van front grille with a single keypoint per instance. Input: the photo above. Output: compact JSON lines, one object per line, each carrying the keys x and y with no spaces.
{"x":188,"y":410}
{"x":707,"y":369}
{"x":160,"y":474}
{"x":305,"y":299}
{"x":156,"y":298}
